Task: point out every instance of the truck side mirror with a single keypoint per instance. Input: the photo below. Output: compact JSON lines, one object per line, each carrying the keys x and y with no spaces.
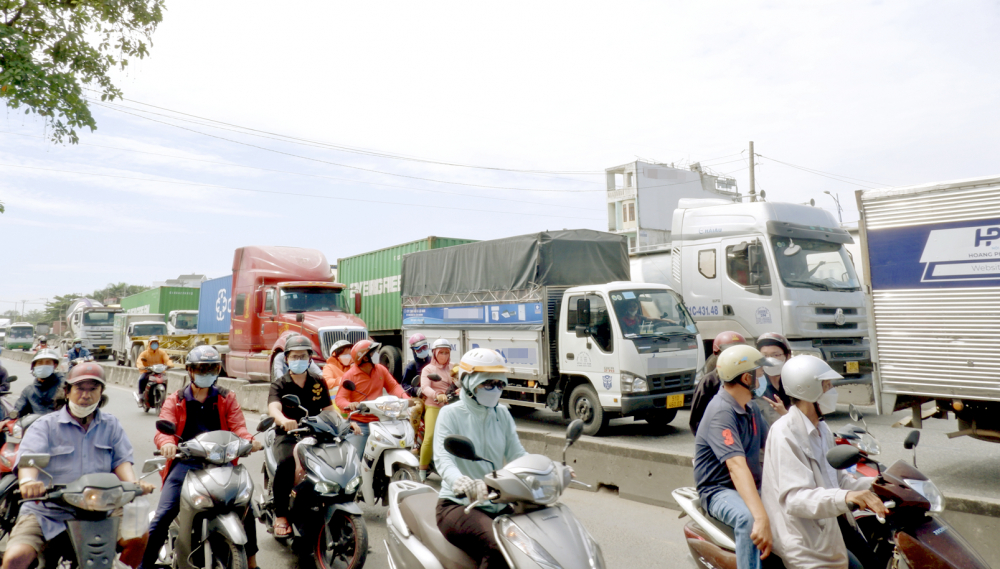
{"x":582,"y":317}
{"x":300,"y":317}
{"x":357,"y":303}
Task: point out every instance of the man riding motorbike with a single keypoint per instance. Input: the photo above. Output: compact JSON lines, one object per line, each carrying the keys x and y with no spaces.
{"x":801,"y":492}
{"x":77,"y":352}
{"x":40,"y":395}
{"x":337,"y":365}
{"x":775,"y":402}
{"x":279,"y":366}
{"x":709,"y":384}
{"x":434,"y":393}
{"x":491,"y":428}
{"x":421,"y":357}
{"x":369,"y":379}
{"x":4,"y":380}
{"x":80,"y":439}
{"x":200,"y":407}
{"x":314,"y":396}
{"x":727,"y":450}
{"x":150,"y":357}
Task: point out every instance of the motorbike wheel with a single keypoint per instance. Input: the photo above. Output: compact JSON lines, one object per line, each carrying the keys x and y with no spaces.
{"x":158,"y":399}
{"x":342,"y":543}
{"x":226,"y":554}
{"x":405,"y":473}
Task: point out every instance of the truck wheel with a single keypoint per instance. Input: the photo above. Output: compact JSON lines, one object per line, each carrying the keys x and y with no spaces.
{"x":585,"y":405}
{"x":660,"y":419}
{"x":392,"y":360}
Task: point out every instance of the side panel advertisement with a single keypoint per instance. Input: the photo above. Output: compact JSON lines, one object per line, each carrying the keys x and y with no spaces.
{"x":499,"y":314}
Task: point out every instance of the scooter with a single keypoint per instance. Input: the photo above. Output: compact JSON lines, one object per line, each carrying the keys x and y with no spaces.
{"x":387,"y":457}
{"x":863,"y":440}
{"x":326,"y":522}
{"x":12,"y":431}
{"x":156,"y":389}
{"x":913,"y":534}
{"x":208,"y":530}
{"x":77,"y":361}
{"x":540,"y":533}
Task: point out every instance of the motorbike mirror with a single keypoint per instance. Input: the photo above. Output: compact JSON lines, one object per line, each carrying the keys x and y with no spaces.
{"x":153,"y":464}
{"x":855,"y":414}
{"x":348,"y":385}
{"x":843,"y":456}
{"x":265,"y":424}
{"x":33,"y":461}
{"x":461,"y":447}
{"x":291,"y":400}
{"x":12,"y":378}
{"x":166,"y":427}
{"x":434,"y":376}
{"x":911,"y":440}
{"x":574,"y":431}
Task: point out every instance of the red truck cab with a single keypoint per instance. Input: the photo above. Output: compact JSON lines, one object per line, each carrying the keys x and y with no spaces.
{"x":278,"y":291}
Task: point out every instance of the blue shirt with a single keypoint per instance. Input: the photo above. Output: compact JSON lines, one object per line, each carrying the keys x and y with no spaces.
{"x":74,"y":353}
{"x":727,"y":430}
{"x":74,"y":452}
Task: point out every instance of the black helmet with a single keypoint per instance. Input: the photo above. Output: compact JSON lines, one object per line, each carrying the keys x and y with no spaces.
{"x":299,"y":343}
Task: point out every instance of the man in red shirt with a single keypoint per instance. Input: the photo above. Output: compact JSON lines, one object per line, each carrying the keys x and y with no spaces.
{"x":369,"y":378}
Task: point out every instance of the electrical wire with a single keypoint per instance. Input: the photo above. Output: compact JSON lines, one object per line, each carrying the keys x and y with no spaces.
{"x":837,"y":177}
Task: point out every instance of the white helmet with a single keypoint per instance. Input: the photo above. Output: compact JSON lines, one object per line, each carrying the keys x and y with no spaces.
{"x":46,"y":354}
{"x":440,"y":343}
{"x":737,"y":360}
{"x":803,"y":377}
{"x":481,"y":359}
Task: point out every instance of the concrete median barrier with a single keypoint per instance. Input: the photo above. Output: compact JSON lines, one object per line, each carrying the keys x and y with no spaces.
{"x":252,"y":396}
{"x":18,"y":355}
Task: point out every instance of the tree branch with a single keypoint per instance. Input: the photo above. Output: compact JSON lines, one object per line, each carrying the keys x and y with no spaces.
{"x":16,"y":17}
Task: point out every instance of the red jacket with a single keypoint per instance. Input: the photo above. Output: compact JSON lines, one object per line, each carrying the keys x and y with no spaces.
{"x":175,"y":410}
{"x":367,"y":388}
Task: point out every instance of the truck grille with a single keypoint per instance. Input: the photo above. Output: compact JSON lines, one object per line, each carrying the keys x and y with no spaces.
{"x":833,"y":311}
{"x":328,"y":338}
{"x":671,"y":382}
{"x":833,"y":326}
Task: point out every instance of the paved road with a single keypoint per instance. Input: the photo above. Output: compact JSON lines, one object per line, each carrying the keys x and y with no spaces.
{"x":623,"y":528}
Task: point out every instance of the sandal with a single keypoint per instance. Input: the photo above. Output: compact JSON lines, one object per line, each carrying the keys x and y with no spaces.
{"x":282,"y":529}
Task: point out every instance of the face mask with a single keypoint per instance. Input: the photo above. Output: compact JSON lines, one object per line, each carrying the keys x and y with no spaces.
{"x":753,"y":385}
{"x":154,"y":346}
{"x":828,"y":402}
{"x":488,"y":397}
{"x":774,"y":371}
{"x":298,"y":366}
{"x":421,"y":352}
{"x":42,"y":371}
{"x":205,"y":381}
{"x":77,"y":346}
{"x":80,"y":412}
{"x":345,"y":359}
{"x":761,"y":388}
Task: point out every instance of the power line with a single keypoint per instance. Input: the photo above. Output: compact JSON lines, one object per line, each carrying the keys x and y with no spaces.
{"x":837,"y":177}
{"x":287,"y":193}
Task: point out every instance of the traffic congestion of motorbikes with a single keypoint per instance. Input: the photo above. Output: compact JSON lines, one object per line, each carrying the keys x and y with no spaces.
{"x":774,"y":485}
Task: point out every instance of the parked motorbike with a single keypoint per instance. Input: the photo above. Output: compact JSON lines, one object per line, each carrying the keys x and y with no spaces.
{"x":387,"y":457}
{"x":12,"y":431}
{"x":208,"y":530}
{"x":540,"y":533}
{"x":6,"y":407}
{"x":156,"y":389}
{"x":326,"y":522}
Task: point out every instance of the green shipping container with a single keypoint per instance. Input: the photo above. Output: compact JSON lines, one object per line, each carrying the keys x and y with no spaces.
{"x":376,"y":276}
{"x":161,"y":300}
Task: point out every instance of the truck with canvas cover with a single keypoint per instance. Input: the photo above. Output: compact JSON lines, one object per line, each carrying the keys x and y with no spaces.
{"x":90,"y":320}
{"x":577,"y":336}
{"x":767,"y":267}
{"x":131,"y":332}
{"x":376,"y":276}
{"x":932,"y":272}
{"x":280,"y":291}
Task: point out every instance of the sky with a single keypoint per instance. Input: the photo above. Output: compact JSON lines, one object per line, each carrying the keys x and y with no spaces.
{"x":349,"y":127}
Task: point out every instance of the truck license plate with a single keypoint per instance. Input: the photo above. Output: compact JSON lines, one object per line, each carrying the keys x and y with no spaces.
{"x":675,"y":401}
{"x":852,"y":367}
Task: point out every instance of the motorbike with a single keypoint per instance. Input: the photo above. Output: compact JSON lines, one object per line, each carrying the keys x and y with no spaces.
{"x":863,"y":440}
{"x":92,"y":499}
{"x":156,"y":389}
{"x":326,"y":522}
{"x":6,"y":407}
{"x":913,"y":534}
{"x":77,"y":361}
{"x":539,"y":533}
{"x":208,"y":530}
{"x":387,"y":457}
{"x":12,"y":431}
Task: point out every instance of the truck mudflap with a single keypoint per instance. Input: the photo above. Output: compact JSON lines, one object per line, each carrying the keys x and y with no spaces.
{"x":637,"y":404}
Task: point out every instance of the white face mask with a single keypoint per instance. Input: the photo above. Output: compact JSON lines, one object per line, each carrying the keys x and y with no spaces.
{"x":774,"y":371}
{"x":828,"y":401}
{"x":80,"y":412}
{"x":345,"y":359}
{"x":42,"y":371}
{"x":205,"y":380}
{"x":488,"y":397}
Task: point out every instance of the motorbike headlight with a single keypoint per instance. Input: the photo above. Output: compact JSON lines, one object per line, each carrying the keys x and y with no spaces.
{"x":327,"y":487}
{"x":393,"y":409}
{"x":353,"y":485}
{"x":232,"y":451}
{"x":594,"y":555}
{"x":632,"y":383}
{"x":17,"y":432}
{"x":545,"y":489}
{"x":198,"y":495}
{"x":928,"y":490}
{"x":870,"y":445}
{"x":97,"y":499}
{"x":516,"y":536}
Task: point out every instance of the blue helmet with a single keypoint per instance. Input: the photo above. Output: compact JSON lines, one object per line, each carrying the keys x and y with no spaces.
{"x":203,"y":355}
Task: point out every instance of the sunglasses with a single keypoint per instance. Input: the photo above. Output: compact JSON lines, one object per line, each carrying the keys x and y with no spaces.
{"x":205,"y":368}
{"x":494,"y":384}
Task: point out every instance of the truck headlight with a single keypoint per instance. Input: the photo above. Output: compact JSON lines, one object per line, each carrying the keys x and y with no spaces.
{"x":632,"y":383}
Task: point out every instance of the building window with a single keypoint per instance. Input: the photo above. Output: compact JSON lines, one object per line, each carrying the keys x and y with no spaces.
{"x":628,"y":212}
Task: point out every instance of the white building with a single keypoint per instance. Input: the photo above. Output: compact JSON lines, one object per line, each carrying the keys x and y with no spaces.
{"x":188,"y":281}
{"x":642,"y":197}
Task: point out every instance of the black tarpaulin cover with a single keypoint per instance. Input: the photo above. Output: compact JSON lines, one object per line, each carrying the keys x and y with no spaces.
{"x":551,"y":258}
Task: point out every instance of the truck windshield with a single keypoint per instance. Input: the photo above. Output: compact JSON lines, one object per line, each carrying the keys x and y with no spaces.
{"x":98,"y":318}
{"x":815,"y":264}
{"x":311,"y":299}
{"x":187,"y":321}
{"x":21,"y":332}
{"x":150,"y":330}
{"x":653,"y":312}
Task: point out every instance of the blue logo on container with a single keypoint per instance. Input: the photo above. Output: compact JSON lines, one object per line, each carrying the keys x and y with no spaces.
{"x":607,"y":382}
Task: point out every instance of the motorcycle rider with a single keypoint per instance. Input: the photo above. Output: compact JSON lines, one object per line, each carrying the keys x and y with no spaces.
{"x":40,"y":395}
{"x":421,"y":357}
{"x":4,"y":380}
{"x":200,"y":407}
{"x":279,"y":366}
{"x":435,"y":396}
{"x":727,"y":466}
{"x":78,"y":351}
{"x":42,"y":344}
{"x":369,"y":378}
{"x":314,"y":396}
{"x":802,"y":493}
{"x":150,"y":357}
{"x":337,"y":365}
{"x":491,"y":428}
{"x":80,"y":439}
{"x":709,"y":384}
{"x":771,"y":391}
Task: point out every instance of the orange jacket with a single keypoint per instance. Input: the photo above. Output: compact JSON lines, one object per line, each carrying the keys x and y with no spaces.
{"x":333,"y":372}
{"x":367,"y":388}
{"x":152,"y":357}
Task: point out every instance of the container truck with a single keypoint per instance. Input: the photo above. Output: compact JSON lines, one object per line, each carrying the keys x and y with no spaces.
{"x":92,"y":322}
{"x":554,"y":305}
{"x":131,"y":331}
{"x":376,"y":276}
{"x":19,"y":336}
{"x":932,"y":275}
{"x":161,"y":300}
{"x":767,"y":267}
{"x":214,"y":302}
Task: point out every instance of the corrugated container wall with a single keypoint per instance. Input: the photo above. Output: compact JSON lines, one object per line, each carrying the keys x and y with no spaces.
{"x":376,"y":275}
{"x":161,"y":300}
{"x":215,"y":305}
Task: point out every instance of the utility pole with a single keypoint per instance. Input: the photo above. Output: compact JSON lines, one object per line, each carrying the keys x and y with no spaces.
{"x":753,"y":192}
{"x":840,"y":215}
